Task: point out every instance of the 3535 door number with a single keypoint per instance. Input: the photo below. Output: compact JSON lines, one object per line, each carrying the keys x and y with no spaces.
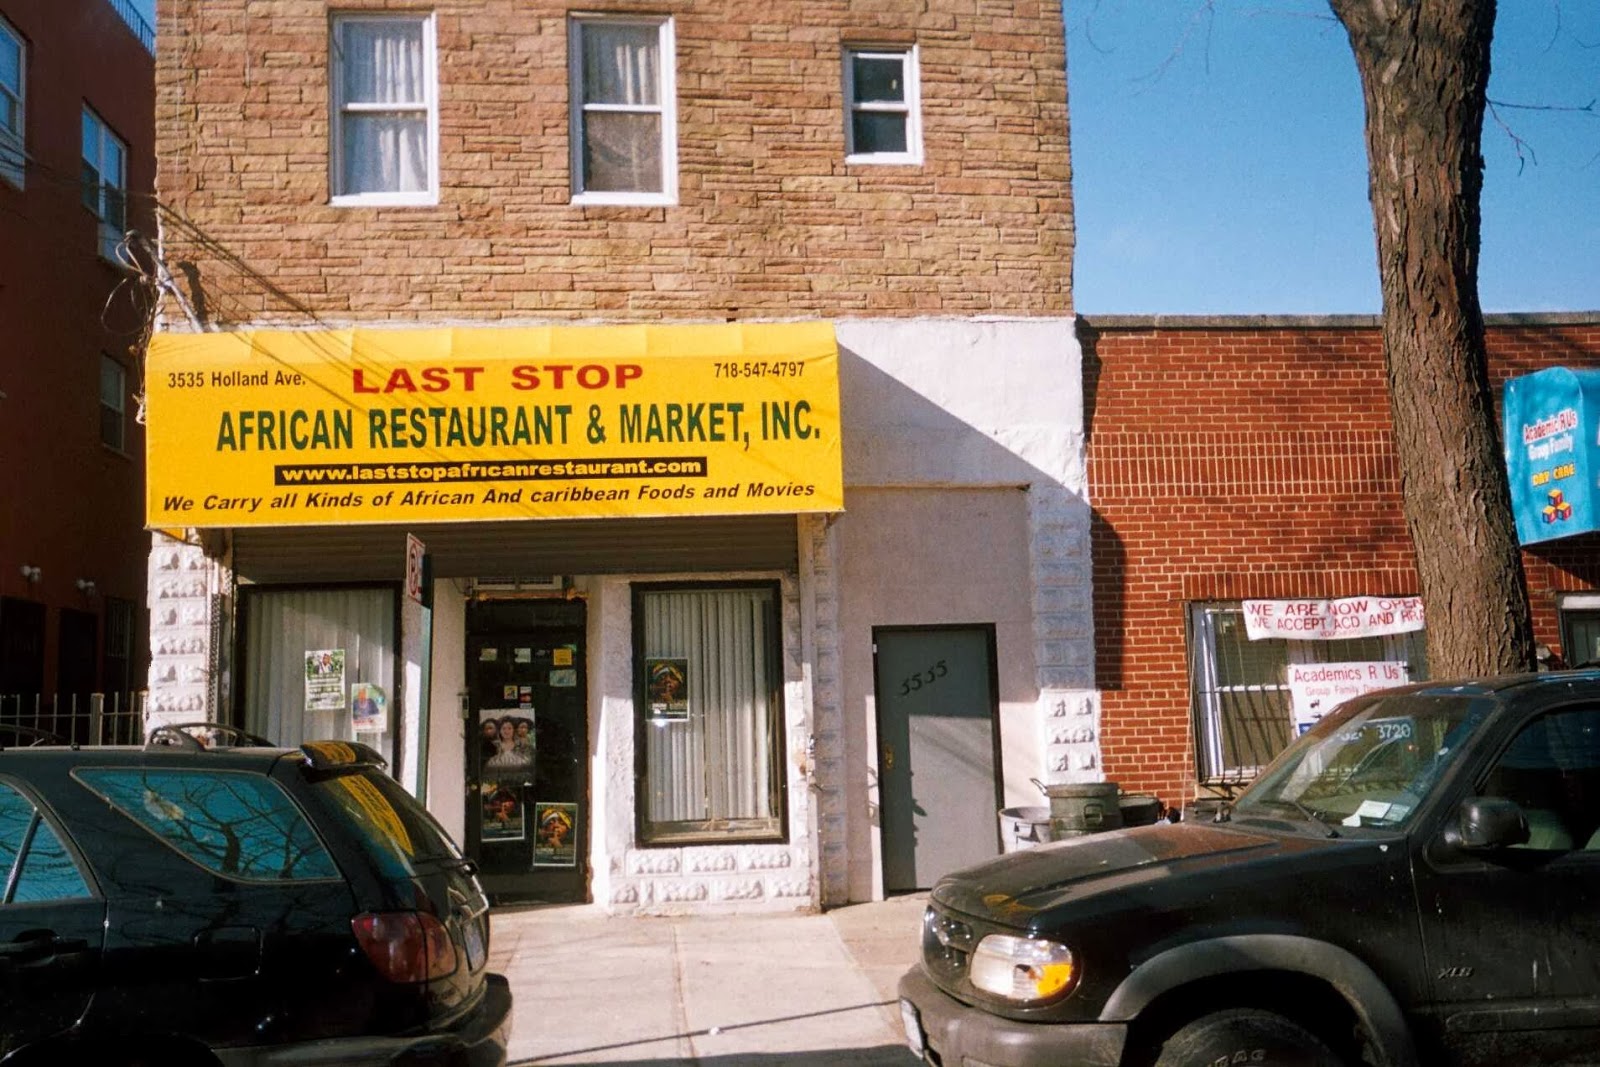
{"x":911,"y":683}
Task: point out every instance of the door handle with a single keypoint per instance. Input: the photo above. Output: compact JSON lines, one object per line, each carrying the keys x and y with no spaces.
{"x":35,"y":946}
{"x":888,"y":758}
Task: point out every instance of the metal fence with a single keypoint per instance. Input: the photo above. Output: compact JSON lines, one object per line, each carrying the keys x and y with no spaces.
{"x":141,"y":29}
{"x":79,"y":719}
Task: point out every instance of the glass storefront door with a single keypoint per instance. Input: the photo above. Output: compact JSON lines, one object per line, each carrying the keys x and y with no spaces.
{"x":527,"y":750}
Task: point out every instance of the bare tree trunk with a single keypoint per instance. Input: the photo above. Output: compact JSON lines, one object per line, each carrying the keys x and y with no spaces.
{"x":1424,"y":73}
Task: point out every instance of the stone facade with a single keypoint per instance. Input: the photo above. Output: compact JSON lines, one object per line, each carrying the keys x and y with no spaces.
{"x":770,"y":221}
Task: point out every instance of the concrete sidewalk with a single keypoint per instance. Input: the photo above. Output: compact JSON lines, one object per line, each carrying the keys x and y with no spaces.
{"x":734,"y":991}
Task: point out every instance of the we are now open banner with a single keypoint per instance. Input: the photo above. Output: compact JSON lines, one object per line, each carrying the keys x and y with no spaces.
{"x":1328,"y":620}
{"x":285,"y":428}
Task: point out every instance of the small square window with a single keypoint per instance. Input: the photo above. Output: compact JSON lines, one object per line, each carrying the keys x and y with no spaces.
{"x":624,"y":122}
{"x":883,"y":121}
{"x":13,"y":143}
{"x":385,"y":120}
{"x":105,"y":181}
{"x":113,"y":403}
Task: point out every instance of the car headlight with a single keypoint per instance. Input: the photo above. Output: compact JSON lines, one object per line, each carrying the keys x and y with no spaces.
{"x":1021,"y":969}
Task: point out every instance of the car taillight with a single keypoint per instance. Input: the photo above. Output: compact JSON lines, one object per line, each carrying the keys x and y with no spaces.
{"x":406,"y":946}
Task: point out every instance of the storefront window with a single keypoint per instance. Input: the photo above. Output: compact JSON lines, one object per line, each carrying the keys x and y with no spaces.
{"x":1242,"y":698}
{"x":710,"y":713}
{"x":319,"y":664}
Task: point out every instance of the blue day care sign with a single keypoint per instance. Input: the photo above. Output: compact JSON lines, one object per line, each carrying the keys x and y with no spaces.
{"x":1552,"y":419}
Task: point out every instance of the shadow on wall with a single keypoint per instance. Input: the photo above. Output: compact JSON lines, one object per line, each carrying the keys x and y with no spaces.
{"x":896,"y":436}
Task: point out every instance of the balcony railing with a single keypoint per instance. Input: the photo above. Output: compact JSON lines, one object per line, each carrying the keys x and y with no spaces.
{"x":141,"y":29}
{"x":80,"y":719}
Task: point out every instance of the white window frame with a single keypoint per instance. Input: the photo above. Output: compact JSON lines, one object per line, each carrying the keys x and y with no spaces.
{"x":667,"y":108}
{"x":120,"y":407}
{"x":15,"y":140}
{"x":1206,"y":707}
{"x":339,"y":107}
{"x":911,"y":107}
{"x":108,"y":237}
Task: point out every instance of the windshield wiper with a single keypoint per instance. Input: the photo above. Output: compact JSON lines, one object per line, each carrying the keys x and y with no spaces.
{"x":1306,"y":813}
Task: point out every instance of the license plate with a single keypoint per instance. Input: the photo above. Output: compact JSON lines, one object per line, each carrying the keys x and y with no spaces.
{"x":913,"y":1024}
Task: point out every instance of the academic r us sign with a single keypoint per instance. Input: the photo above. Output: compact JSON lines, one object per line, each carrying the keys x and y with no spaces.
{"x":290,"y":428}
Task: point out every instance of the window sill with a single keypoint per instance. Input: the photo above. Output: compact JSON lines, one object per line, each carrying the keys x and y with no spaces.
{"x":624,"y":200}
{"x":765,"y":835}
{"x":120,"y":453}
{"x":897,"y":159}
{"x":430,"y":199}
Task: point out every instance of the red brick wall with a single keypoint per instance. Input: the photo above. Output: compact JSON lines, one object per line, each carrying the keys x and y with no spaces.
{"x":69,"y":505}
{"x":1254,"y":459}
{"x":770,"y":222}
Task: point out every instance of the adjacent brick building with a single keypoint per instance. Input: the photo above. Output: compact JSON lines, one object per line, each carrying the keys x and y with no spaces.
{"x":705,"y":175}
{"x":76,"y":91}
{"x":1252,"y":458}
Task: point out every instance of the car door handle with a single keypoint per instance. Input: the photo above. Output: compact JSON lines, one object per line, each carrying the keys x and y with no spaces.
{"x":38,"y":945}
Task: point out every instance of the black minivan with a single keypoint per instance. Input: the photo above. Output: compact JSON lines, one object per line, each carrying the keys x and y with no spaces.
{"x":218,"y":901}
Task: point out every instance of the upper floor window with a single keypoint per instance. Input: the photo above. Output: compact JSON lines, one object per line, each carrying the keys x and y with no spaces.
{"x":105,"y":181}
{"x":883,"y":122}
{"x":624,"y":124}
{"x":113,"y":408}
{"x":385,"y":121}
{"x":12,"y":142}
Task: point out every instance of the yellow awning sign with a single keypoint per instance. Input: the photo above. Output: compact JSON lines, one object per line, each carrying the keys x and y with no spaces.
{"x":290,"y":428}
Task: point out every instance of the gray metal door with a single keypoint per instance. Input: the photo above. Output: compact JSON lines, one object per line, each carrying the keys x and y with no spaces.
{"x":938,"y":751}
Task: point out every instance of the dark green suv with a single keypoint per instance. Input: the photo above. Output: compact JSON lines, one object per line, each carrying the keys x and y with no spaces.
{"x":1416,"y":881}
{"x":226,"y":903}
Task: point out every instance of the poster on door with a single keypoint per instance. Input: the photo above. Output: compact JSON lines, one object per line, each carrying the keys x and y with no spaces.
{"x":506,"y":741}
{"x":504,"y":815}
{"x":555,"y":829}
{"x":325,"y":679}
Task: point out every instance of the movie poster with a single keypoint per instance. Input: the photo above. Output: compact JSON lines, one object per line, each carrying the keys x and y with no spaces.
{"x":506,"y":741}
{"x":504,"y":816}
{"x":555,"y":834}
{"x":667,"y":687}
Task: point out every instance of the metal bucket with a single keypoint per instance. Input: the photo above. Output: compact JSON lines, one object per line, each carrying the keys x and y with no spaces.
{"x":1022,"y":828}
{"x":1138,"y":810}
{"x":1083,"y":807}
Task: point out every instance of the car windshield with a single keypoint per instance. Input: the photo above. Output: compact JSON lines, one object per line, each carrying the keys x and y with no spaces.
{"x":1369,"y":764}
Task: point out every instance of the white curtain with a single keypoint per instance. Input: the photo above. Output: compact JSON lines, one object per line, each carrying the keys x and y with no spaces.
{"x":282,"y":627}
{"x":717,"y":766}
{"x":621,"y":119}
{"x":384,"y":149}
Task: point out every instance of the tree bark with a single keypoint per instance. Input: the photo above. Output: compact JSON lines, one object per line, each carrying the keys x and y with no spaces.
{"x":1424,"y":68}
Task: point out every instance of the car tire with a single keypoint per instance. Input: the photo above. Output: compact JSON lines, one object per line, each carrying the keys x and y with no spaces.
{"x":1244,"y":1036}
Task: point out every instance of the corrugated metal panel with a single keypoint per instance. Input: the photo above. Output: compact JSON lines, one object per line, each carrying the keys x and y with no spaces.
{"x":518,"y":549}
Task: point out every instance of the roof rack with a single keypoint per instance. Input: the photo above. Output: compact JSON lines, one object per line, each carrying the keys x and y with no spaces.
{"x":199,"y":736}
{"x":28,"y":736}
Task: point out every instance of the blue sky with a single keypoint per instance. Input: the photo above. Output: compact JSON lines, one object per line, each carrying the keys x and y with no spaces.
{"x":1219,"y":165}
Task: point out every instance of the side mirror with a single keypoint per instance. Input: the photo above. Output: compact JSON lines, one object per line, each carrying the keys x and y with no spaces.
{"x":1484,"y":824}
